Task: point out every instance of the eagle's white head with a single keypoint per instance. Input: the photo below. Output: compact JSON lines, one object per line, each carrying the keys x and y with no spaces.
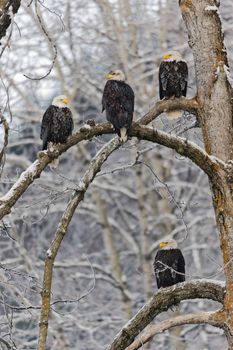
{"x":172,"y":56}
{"x":61,"y":101}
{"x":168,"y":244}
{"x":116,"y":75}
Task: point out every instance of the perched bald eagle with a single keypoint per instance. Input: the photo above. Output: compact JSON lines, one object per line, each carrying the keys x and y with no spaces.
{"x":118,"y":101}
{"x":169,"y":264}
{"x":57,"y":123}
{"x":173,"y":78}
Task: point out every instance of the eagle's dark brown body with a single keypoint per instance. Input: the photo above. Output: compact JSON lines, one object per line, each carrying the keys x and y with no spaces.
{"x":57,"y":125}
{"x":173,"y":79}
{"x":118,"y":101}
{"x":169,"y":267}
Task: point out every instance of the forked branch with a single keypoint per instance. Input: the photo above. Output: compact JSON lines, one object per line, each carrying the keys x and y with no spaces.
{"x":161,"y":302}
{"x":214,"y":318}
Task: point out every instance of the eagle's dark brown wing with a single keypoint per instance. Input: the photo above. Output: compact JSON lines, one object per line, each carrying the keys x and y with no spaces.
{"x":56,"y":126}
{"x":169,"y":267}
{"x":118,"y":101}
{"x":173,"y":79}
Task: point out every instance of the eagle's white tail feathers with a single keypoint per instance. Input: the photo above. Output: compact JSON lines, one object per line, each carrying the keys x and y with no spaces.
{"x":174,"y":114}
{"x":123,"y":137}
{"x":54,"y":163}
{"x":50,"y":146}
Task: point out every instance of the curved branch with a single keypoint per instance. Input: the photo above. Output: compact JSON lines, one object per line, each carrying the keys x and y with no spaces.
{"x":44,"y":158}
{"x":161,"y":302}
{"x":77,"y":197}
{"x":180,"y":145}
{"x":214,"y":318}
{"x":174,"y":104}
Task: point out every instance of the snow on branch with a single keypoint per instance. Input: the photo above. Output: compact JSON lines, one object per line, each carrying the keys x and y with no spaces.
{"x":211,"y":8}
{"x":44,"y":158}
{"x":162,"y":301}
{"x":182,"y":146}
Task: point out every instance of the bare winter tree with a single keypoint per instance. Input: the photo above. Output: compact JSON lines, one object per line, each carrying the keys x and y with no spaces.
{"x":214,"y":97}
{"x":112,"y":202}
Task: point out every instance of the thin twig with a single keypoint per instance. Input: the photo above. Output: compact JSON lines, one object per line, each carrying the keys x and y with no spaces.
{"x":53,"y":45}
{"x":4,"y":122}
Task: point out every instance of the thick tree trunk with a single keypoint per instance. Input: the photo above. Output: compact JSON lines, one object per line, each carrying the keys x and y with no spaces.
{"x":213,"y":88}
{"x":223,"y":204}
{"x":216,"y":113}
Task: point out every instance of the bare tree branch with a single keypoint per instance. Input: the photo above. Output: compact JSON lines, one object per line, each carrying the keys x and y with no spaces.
{"x":214,"y":318}
{"x":161,"y":302}
{"x":60,"y":233}
{"x":4,"y":122}
{"x":182,"y":146}
{"x":44,"y":158}
{"x":50,"y":41}
{"x":183,"y":103}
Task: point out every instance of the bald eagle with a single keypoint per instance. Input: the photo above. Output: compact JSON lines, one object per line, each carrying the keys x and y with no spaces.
{"x":169,"y":264}
{"x":118,"y":101}
{"x":173,"y":78}
{"x":57,"y":123}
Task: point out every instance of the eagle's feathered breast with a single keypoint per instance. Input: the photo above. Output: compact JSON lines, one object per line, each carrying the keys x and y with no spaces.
{"x":169,"y":267}
{"x":57,"y":125}
{"x":118,"y":101}
{"x":173,"y":79}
